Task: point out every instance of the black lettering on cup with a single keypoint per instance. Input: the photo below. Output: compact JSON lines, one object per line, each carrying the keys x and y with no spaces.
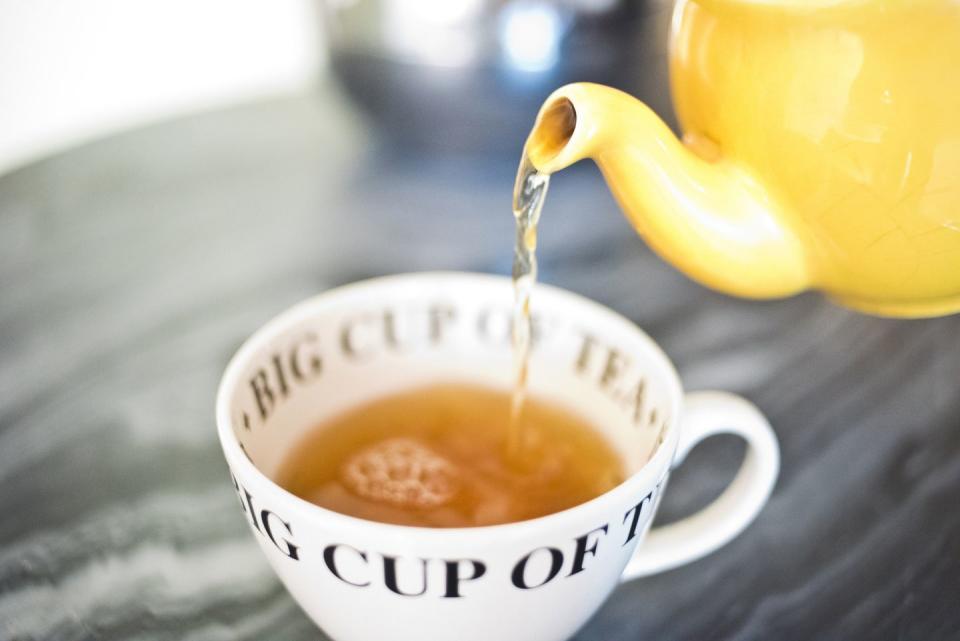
{"x":261,"y":523}
{"x":518,"y":576}
{"x":441,"y":316}
{"x":478,"y":569}
{"x":352,"y":346}
{"x":635,"y":519}
{"x":329,"y":558}
{"x":289,"y":548}
{"x":262,"y":393}
{"x":274,"y":382}
{"x":281,"y":377}
{"x":582,"y":549}
{"x":304,"y":363}
{"x":390,"y":576}
{"x":613,"y":368}
{"x":586,"y":351}
{"x":245,"y":500}
{"x":251,"y":512}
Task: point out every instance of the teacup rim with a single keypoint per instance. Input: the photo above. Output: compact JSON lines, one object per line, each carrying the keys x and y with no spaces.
{"x":235,"y":456}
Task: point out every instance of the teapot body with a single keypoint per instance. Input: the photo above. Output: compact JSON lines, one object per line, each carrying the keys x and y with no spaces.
{"x":848,"y":113}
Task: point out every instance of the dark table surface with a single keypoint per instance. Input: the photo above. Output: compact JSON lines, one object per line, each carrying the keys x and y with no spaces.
{"x":132,"y":268}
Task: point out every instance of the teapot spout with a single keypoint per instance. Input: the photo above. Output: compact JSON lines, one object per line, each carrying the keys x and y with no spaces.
{"x":699,"y":211}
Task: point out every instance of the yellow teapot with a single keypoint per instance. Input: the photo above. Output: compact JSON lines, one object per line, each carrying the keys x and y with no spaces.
{"x":821,"y":148}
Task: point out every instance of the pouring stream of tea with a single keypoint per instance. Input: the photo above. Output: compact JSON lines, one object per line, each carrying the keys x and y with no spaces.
{"x":529,"y":192}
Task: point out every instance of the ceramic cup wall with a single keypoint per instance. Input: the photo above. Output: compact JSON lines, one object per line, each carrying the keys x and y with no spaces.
{"x":537,"y":580}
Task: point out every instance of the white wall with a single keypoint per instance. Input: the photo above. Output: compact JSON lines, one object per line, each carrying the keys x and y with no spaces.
{"x":71,"y":70}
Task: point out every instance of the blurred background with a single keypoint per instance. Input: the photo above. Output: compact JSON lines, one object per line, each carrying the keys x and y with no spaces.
{"x":70,"y":72}
{"x":175,"y":173}
{"x":463,"y":75}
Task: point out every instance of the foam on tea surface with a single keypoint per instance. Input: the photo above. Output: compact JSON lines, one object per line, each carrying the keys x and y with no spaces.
{"x":402,"y":472}
{"x":434,"y":457}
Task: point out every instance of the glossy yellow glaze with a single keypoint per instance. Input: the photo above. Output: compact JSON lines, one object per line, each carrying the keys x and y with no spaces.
{"x":821,"y":149}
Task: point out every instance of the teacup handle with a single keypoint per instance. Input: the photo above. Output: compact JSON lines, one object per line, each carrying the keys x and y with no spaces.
{"x":706,"y":414}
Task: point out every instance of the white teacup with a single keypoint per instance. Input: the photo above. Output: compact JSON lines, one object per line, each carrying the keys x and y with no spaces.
{"x":536,"y":580}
